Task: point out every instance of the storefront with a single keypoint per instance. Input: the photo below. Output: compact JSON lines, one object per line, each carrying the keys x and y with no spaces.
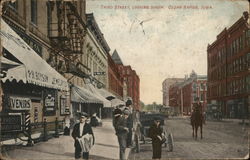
{"x":31,"y":87}
{"x":82,"y":100}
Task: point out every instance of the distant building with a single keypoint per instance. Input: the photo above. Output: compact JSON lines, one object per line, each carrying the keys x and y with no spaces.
{"x":182,"y":95}
{"x":228,"y":60}
{"x":165,"y":89}
{"x":131,"y":81}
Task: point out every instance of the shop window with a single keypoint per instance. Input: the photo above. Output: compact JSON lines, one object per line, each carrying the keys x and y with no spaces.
{"x":33,"y":11}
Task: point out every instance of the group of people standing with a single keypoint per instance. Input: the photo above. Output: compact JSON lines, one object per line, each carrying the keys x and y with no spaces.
{"x":123,"y":123}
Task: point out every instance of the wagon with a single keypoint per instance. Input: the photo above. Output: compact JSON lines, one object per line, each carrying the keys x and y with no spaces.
{"x":146,"y":120}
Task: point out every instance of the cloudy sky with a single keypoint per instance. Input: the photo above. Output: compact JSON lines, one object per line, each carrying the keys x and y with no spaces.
{"x":171,"y":41}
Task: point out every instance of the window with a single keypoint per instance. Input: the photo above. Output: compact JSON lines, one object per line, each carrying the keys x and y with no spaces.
{"x":33,"y":11}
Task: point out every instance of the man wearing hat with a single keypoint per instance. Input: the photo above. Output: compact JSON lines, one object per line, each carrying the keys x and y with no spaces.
{"x":122,"y":132}
{"x":80,"y":129}
{"x":155,"y":133}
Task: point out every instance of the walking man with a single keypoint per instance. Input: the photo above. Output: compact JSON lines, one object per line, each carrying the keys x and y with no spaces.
{"x":122,"y":132}
{"x":81,"y":129}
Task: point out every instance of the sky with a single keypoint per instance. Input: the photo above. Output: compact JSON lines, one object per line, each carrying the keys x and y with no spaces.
{"x":162,"y":39}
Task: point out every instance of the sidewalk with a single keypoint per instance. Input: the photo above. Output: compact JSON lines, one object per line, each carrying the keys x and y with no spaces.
{"x":62,"y":148}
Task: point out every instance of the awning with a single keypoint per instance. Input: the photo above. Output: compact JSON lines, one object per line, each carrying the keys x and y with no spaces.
{"x":7,"y":64}
{"x":114,"y":101}
{"x":105,"y":93}
{"x":34,"y":69}
{"x":91,"y":88}
{"x":82,"y":95}
{"x":117,"y":102}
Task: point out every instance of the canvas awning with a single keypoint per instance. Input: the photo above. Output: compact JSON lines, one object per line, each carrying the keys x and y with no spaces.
{"x":7,"y":64}
{"x":106,"y":103}
{"x":114,"y":100}
{"x":82,"y":95}
{"x":105,"y":93}
{"x":33,"y":69}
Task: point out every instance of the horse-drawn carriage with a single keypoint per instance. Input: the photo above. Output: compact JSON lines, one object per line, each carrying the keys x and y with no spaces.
{"x":146,"y":120}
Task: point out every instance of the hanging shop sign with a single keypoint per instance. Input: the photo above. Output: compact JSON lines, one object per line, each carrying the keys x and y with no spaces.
{"x":19,"y":103}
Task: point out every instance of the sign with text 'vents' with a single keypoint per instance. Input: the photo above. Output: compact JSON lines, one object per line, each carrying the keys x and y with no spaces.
{"x":19,"y":103}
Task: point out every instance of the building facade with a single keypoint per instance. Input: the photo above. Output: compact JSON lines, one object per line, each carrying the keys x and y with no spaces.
{"x":115,"y":78}
{"x":182,"y":95}
{"x":228,"y":70}
{"x":165,"y":88}
{"x":39,"y":89}
{"x":131,"y":82}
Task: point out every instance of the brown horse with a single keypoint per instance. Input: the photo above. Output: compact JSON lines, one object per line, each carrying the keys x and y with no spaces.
{"x":196,"y":122}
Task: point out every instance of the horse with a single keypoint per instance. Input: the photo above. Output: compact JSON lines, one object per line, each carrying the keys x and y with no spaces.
{"x":197,"y":121}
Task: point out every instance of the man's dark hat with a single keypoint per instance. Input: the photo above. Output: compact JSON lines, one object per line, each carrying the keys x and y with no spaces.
{"x":84,"y":114}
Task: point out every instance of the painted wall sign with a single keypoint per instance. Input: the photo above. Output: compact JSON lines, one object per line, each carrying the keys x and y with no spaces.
{"x":19,"y":103}
{"x":50,"y":103}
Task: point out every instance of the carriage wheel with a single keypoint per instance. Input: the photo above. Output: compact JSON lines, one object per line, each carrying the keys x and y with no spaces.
{"x":170,"y":142}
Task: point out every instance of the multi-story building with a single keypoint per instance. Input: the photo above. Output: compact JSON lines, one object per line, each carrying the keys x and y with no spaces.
{"x":60,"y":33}
{"x":97,"y":52}
{"x":131,"y":80}
{"x":182,"y":95}
{"x":165,"y":88}
{"x":228,"y":69}
{"x":115,"y":78}
{"x":41,"y":92}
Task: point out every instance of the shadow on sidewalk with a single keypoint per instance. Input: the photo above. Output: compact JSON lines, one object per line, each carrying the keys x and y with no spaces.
{"x":93,"y":157}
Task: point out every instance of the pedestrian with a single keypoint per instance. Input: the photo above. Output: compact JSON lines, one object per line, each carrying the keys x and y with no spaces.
{"x":82,"y":129}
{"x":155,"y":133}
{"x":94,"y":121}
{"x":116,"y":114}
{"x":129,"y":125}
{"x":122,"y":132}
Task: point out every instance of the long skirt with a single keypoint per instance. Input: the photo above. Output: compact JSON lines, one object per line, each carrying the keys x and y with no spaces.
{"x":156,"y":149}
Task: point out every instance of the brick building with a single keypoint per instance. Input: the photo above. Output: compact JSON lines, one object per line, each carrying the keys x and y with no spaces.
{"x":115,"y":78}
{"x":228,"y":69}
{"x":182,"y":95}
{"x":131,"y":80}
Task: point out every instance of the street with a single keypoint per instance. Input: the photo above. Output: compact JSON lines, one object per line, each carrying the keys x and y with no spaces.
{"x":226,"y":139}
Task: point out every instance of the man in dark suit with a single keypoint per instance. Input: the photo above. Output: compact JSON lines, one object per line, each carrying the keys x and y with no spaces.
{"x":121,"y":132}
{"x":79,"y":130}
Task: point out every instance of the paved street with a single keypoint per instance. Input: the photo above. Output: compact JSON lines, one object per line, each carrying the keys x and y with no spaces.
{"x":106,"y":147}
{"x":221,"y":140}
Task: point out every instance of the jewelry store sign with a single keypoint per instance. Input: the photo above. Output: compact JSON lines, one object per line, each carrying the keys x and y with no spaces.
{"x":19,"y":103}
